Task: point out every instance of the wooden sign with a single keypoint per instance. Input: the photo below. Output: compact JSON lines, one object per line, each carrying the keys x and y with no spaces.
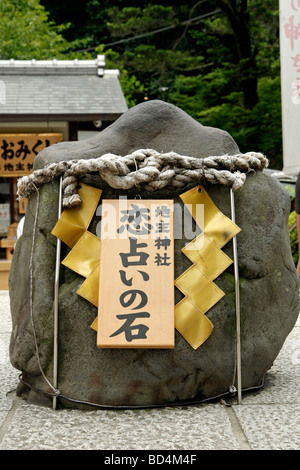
{"x":136,"y":293}
{"x":18,"y":151}
{"x":23,"y":203}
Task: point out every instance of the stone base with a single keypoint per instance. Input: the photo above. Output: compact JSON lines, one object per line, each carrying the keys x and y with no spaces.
{"x":269,"y":284}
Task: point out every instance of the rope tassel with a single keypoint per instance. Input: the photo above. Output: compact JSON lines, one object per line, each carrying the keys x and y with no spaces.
{"x":146,"y":169}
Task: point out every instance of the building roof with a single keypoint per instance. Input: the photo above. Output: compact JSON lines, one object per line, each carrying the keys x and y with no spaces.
{"x":74,"y":90}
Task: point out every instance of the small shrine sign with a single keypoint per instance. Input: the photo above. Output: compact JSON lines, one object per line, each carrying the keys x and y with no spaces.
{"x":136,"y":289}
{"x":18,"y":151}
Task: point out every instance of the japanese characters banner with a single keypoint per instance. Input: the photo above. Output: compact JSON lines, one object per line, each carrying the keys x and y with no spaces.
{"x":18,"y":151}
{"x":290,"y":83}
{"x":136,"y":295}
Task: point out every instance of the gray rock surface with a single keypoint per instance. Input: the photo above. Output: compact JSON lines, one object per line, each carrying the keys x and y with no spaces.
{"x":269,"y":284}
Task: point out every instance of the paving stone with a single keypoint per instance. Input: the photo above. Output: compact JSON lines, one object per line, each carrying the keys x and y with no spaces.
{"x":198,"y":427}
{"x":266,"y":420}
{"x":271,"y":427}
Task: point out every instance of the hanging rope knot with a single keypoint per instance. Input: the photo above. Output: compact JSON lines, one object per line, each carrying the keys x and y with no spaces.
{"x":145,"y":169}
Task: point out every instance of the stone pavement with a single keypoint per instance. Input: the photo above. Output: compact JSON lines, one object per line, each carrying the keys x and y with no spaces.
{"x":268,"y":419}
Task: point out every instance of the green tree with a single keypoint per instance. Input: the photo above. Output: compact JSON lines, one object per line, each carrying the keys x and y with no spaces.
{"x":218,"y":60}
{"x":26,"y":32}
{"x":86,"y":20}
{"x":238,"y":16}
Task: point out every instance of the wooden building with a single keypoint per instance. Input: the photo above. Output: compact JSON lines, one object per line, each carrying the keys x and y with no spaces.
{"x":43,"y":102}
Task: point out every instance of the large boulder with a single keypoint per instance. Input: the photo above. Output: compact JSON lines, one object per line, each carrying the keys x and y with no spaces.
{"x":269,"y":285}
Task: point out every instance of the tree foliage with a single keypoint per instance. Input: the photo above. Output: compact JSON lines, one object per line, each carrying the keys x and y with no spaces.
{"x":218,"y":60}
{"x":27,"y":32}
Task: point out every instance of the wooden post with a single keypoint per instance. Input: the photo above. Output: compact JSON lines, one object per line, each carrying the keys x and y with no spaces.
{"x":13,"y":200}
{"x":73,"y":130}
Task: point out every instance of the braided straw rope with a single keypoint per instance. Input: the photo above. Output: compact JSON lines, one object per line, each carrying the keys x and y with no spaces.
{"x":147,"y":169}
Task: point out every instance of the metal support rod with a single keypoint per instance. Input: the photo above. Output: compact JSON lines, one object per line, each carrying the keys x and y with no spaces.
{"x":237,"y":304}
{"x":56,"y":295}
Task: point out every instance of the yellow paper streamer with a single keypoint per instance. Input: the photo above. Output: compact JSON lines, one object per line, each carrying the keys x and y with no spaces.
{"x":198,"y":288}
{"x":218,"y":228}
{"x":192,"y":324}
{"x":207,"y":256}
{"x":84,"y":257}
{"x":196,"y":283}
{"x":89,"y":289}
{"x":74,"y":221}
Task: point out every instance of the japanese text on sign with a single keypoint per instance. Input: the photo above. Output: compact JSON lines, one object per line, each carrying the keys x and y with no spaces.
{"x":291,"y":31}
{"x":290,"y":82}
{"x":18,"y":151}
{"x":136,"y":295}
